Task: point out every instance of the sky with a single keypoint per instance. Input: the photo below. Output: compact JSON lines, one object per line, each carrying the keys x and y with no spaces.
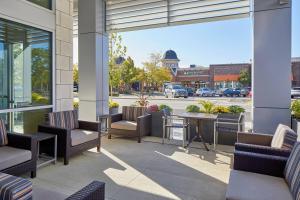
{"x":202,"y":44}
{"x":205,"y":43}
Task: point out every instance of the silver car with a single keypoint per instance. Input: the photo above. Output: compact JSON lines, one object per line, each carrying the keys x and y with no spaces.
{"x":295,"y":92}
{"x":175,"y":91}
{"x":205,"y":92}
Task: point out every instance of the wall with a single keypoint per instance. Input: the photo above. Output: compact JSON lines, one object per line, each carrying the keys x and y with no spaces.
{"x":64,"y":55}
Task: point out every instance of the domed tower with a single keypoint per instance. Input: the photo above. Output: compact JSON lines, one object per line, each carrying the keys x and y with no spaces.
{"x":171,"y":61}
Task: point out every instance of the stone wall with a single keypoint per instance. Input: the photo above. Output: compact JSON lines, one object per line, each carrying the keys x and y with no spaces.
{"x":64,"y":55}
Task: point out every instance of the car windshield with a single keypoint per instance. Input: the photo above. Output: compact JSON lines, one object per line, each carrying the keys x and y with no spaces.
{"x":296,"y":88}
{"x":205,"y":89}
{"x":177,"y":87}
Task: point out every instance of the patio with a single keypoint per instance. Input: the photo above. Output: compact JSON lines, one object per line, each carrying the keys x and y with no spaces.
{"x":148,"y":170}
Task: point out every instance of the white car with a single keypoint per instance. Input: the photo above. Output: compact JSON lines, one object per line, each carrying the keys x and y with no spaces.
{"x":205,"y":92}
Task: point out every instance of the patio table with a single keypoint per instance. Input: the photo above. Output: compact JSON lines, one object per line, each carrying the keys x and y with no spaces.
{"x":199,"y":117}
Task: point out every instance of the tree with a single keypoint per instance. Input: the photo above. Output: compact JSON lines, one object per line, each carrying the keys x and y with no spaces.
{"x":75,"y":74}
{"x":116,"y":49}
{"x":245,"y":78}
{"x":128,"y":72}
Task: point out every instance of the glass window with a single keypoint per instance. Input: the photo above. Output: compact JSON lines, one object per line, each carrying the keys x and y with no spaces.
{"x":25,"y":66}
{"x":43,"y":3}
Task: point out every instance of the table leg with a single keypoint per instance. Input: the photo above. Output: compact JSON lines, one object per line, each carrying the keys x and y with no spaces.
{"x":200,"y":134}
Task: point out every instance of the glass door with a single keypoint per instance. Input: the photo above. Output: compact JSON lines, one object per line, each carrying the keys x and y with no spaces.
{"x":4,"y":77}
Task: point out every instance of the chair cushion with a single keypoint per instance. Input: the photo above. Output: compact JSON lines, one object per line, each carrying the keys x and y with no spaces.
{"x":45,"y":194}
{"x":292,"y":171}
{"x":284,"y":138}
{"x":124,"y":125}
{"x":10,"y":156}
{"x":79,"y":136}
{"x":14,"y":188}
{"x":64,"y":119}
{"x":251,"y":186}
{"x":3,"y":133}
{"x":131,"y":113}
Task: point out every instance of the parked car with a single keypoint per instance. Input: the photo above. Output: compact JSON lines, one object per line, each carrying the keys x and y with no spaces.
{"x":245,"y":91}
{"x":229,"y":92}
{"x":190,"y":92}
{"x":205,"y":92}
{"x":295,"y":92}
{"x":175,"y":91}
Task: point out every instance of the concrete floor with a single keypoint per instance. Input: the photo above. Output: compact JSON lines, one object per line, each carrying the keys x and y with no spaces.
{"x":146,"y":171}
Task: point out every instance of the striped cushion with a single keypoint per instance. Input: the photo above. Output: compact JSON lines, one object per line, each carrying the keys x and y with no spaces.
{"x":13,"y":188}
{"x":3,"y":133}
{"x":131,"y":113}
{"x":284,"y":138}
{"x":292,"y":171}
{"x":64,"y":119}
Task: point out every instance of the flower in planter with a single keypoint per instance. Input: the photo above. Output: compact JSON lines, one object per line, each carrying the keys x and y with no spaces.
{"x":143,"y":100}
{"x":236,"y":109}
{"x":295,"y":108}
{"x":113,"y":104}
{"x":220,"y":109}
{"x":192,"y":109}
{"x":163,"y":106}
{"x":153,"y":108}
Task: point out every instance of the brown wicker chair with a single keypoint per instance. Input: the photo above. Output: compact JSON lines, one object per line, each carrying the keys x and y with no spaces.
{"x":132,"y":122}
{"x":73,"y":136}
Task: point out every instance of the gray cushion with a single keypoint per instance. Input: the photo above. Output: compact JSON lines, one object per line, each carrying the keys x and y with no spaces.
{"x":251,"y":186}
{"x":79,"y":136}
{"x":44,"y":194}
{"x":284,"y":137}
{"x":124,"y":125}
{"x":10,"y":156}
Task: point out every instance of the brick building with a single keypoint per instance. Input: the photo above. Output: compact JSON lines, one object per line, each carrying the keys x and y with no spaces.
{"x":296,"y":72}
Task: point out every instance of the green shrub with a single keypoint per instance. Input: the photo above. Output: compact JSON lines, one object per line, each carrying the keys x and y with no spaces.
{"x":236,"y":109}
{"x":163,"y":106}
{"x":295,"y":108}
{"x":37,"y":98}
{"x":220,"y":109}
{"x":75,"y":104}
{"x":192,"y":109}
{"x":207,"y":106}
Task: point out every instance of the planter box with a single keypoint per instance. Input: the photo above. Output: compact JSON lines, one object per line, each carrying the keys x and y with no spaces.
{"x":296,"y":125}
{"x":157,"y":124}
{"x":113,"y":110}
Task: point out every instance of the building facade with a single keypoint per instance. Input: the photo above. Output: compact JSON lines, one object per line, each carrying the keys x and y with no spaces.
{"x":216,"y":76}
{"x":35,"y":61}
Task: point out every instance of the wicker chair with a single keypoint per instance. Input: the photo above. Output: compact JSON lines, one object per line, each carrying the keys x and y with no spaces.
{"x":279,"y":144}
{"x":132,"y":122}
{"x":73,"y":136}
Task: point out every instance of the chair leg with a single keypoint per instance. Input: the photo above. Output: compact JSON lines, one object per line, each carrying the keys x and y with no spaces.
{"x":33,"y":174}
{"x":66,"y":160}
{"x":109,"y":136}
{"x":184,"y":137}
{"x":98,"y":148}
{"x":139,"y":139}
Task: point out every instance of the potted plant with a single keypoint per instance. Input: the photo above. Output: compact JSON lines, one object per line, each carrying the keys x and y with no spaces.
{"x":295,"y":108}
{"x":157,"y":120}
{"x":113,"y":107}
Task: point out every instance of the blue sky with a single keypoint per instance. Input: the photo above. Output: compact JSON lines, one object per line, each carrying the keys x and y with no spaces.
{"x":203,"y":44}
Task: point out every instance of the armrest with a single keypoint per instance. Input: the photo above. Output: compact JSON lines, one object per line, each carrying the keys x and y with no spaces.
{"x":116,"y":117}
{"x":64,"y":135}
{"x":144,"y":124}
{"x":95,"y":190}
{"x":262,"y":149}
{"x":20,"y":141}
{"x":259,"y":163}
{"x":254,"y":138}
{"x":91,"y":126}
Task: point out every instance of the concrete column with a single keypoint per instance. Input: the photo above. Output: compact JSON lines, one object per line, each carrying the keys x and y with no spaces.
{"x":93,"y":59}
{"x":271,"y":69}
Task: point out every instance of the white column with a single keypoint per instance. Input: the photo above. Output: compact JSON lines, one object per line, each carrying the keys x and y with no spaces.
{"x":271,"y":69}
{"x":93,"y":59}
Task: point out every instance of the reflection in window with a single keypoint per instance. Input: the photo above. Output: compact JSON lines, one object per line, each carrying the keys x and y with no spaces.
{"x":43,"y":3}
{"x":25,"y":66}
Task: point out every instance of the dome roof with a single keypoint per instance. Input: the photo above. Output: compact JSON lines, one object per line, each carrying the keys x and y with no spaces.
{"x":170,"y":55}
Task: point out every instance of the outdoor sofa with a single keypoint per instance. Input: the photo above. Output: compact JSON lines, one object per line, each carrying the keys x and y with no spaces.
{"x":281,"y":143}
{"x":18,"y":153}
{"x":16,"y":188}
{"x":73,"y":136}
{"x":132,"y":122}
{"x":265,"y":177}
